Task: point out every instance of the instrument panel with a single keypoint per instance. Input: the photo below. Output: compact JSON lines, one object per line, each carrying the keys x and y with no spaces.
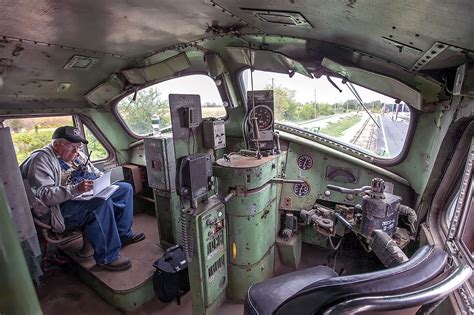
{"x":319,"y":169}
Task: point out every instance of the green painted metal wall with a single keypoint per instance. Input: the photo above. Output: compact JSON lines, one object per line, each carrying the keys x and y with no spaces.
{"x":17,"y":293}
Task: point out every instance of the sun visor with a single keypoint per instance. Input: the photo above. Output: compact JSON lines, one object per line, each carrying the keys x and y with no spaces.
{"x":266,"y":60}
{"x":107,"y":91}
{"x":159,"y":70}
{"x":379,"y":83}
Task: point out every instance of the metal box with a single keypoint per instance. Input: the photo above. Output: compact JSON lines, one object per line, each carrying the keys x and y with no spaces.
{"x":196,"y":171}
{"x":214,"y":133}
{"x":160,"y":162}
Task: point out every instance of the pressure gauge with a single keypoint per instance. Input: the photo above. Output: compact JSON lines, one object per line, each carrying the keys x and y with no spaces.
{"x":305,"y":162}
{"x":264,"y":117}
{"x":301,"y":189}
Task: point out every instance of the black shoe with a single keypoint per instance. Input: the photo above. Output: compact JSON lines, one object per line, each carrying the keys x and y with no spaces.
{"x":119,"y":264}
{"x":135,"y":238}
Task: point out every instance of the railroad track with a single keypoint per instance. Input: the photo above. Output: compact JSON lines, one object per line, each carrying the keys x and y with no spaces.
{"x":359,"y":132}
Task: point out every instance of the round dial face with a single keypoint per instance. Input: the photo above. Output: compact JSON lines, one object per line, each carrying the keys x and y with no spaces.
{"x":264,"y":117}
{"x":305,"y":162}
{"x":301,"y":190}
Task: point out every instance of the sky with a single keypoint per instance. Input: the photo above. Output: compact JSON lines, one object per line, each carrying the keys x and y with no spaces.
{"x":305,"y":88}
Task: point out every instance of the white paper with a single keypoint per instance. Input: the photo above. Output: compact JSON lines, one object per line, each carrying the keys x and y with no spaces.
{"x":101,"y":189}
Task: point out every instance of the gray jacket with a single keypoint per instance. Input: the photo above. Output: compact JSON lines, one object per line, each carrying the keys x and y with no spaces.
{"x":43,"y":172}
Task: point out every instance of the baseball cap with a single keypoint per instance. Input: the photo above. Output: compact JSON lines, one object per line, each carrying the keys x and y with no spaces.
{"x":70,"y":134}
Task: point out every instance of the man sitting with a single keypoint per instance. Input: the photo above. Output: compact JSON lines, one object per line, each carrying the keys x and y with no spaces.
{"x":57,"y":173}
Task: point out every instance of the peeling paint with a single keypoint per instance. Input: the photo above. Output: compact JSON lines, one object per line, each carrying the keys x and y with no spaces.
{"x":17,"y":50}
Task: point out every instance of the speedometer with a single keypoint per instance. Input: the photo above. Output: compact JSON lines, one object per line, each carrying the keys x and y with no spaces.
{"x":301,"y":189}
{"x":305,"y":162}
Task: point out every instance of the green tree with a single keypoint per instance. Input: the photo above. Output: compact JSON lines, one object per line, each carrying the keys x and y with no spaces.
{"x":350,"y":105}
{"x":286,"y":107}
{"x":137,"y":114}
{"x":306,"y":112}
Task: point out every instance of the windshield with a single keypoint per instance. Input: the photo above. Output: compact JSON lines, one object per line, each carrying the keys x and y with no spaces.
{"x":375,"y":123}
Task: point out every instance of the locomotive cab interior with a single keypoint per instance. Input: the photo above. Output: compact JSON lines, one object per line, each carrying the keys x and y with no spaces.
{"x":307,"y":158}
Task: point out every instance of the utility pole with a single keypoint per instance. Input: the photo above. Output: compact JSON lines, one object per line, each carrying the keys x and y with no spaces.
{"x":315,"y":107}
{"x":273,"y":84}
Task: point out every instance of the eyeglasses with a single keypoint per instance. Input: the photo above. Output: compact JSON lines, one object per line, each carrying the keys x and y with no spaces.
{"x":72,"y":146}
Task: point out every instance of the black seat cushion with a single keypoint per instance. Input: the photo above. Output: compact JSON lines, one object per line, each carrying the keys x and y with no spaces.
{"x":319,"y":291}
{"x":266,"y":296}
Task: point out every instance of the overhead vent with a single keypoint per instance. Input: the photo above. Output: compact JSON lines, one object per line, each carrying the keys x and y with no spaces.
{"x":78,"y":62}
{"x":285,"y":18}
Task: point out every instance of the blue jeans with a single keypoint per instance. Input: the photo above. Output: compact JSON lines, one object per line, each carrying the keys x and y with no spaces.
{"x":106,"y":222}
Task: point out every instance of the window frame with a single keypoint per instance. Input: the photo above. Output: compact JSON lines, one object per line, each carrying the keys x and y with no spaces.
{"x":136,"y":90}
{"x":80,"y":121}
{"x":460,"y":253}
{"x":346,"y":147}
{"x":462,"y":208}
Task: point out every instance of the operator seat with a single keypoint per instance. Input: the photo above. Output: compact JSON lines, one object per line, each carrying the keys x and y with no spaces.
{"x":312,"y":290}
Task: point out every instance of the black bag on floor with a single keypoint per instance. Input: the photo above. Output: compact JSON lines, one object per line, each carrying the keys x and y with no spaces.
{"x":171,"y":280}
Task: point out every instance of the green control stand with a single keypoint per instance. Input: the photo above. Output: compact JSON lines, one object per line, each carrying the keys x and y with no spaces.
{"x":251,"y":217}
{"x":208,"y":267}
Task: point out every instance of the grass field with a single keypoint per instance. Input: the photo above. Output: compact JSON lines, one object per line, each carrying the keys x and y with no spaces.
{"x":213,"y":112}
{"x":336,"y":129}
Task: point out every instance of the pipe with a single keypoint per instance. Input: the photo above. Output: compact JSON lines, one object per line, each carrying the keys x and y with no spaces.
{"x":411,"y":216}
{"x":406,"y":300}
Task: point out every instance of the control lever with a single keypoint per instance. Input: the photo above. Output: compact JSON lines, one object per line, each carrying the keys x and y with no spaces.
{"x":286,"y":181}
{"x":229,"y":196}
{"x":344,"y":222}
{"x":354,"y":191}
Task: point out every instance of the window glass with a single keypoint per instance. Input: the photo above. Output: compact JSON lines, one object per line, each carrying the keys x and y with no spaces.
{"x":319,"y":107}
{"x":137,"y":114}
{"x":29,"y":134}
{"x":96,"y":149}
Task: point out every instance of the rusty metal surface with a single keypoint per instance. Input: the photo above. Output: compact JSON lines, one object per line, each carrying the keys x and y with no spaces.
{"x":241,"y":161}
{"x":37,"y":38}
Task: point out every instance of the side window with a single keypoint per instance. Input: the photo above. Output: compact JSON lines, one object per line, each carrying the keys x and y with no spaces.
{"x":29,"y":134}
{"x":319,"y":107}
{"x":153,"y":101}
{"x":96,"y":149}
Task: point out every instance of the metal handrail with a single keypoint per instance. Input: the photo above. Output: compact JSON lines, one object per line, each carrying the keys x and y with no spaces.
{"x":402,"y":301}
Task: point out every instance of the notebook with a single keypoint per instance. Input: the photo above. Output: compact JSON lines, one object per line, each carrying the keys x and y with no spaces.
{"x":101,"y":189}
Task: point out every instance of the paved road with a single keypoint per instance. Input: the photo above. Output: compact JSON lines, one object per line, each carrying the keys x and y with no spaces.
{"x":391,"y":135}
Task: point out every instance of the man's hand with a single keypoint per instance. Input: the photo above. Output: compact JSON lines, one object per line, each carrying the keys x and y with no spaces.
{"x":85,"y":186}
